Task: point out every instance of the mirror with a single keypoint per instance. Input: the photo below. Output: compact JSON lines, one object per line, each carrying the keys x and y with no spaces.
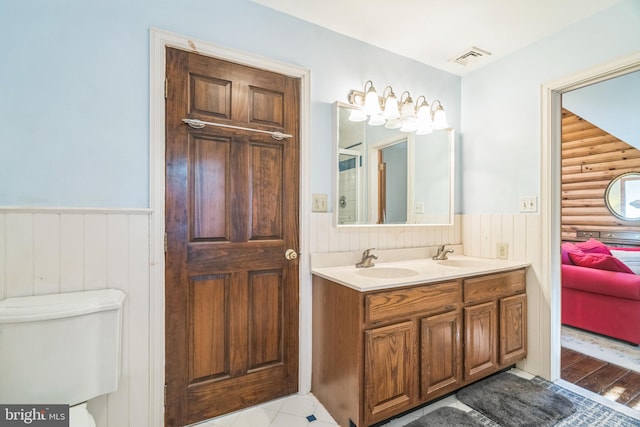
{"x":622,"y":196}
{"x":388,"y":177}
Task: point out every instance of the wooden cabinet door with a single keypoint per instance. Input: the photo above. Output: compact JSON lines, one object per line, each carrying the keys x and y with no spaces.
{"x":480,"y":340}
{"x":513,"y":329}
{"x":441,"y":354}
{"x":391,"y":376}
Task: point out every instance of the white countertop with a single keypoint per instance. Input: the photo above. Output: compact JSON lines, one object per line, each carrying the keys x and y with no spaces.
{"x":413,"y":271}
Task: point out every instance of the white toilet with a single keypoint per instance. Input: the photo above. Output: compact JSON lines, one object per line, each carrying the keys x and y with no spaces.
{"x":61,"y":349}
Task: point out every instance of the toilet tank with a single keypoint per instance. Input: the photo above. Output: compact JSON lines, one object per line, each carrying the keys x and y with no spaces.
{"x":60,"y":348}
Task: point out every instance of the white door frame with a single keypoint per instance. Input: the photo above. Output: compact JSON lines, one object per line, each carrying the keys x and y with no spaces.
{"x":551,"y":175}
{"x":159,"y":40}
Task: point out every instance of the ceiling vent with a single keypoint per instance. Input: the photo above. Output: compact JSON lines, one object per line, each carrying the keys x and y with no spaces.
{"x":471,"y":55}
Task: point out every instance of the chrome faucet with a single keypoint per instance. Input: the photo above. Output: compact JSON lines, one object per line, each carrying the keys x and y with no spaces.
{"x":442,"y":253}
{"x":367,"y":259}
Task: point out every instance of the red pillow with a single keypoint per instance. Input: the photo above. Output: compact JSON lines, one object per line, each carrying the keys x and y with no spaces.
{"x":599,"y":261}
{"x":566,"y":248}
{"x":593,"y":246}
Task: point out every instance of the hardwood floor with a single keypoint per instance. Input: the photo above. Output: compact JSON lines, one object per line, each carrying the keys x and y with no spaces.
{"x":611,"y":381}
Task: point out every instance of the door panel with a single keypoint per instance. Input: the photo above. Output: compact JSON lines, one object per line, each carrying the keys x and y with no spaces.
{"x":210,"y":96}
{"x":266,"y":192}
{"x":231,"y":213}
{"x":209,"y":166}
{"x":266,"y":107}
{"x":209,"y":328}
{"x":265,"y":317}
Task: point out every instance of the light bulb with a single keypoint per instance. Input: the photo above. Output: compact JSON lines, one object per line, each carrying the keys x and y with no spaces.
{"x":357,"y":116}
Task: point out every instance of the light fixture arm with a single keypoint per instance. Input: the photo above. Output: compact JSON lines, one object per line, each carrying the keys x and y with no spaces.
{"x":407,"y":99}
{"x":419,"y":104}
{"x":436,"y":105}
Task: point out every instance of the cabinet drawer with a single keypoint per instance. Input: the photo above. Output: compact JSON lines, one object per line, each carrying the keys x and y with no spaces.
{"x":400,"y":303}
{"x":493,"y":286}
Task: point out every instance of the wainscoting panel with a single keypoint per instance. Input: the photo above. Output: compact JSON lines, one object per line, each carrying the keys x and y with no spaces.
{"x":49,"y":251}
{"x":482,"y":233}
{"x":44,"y":251}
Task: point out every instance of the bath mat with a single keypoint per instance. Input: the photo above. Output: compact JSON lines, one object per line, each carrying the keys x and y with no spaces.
{"x":512,"y":401}
{"x":445,"y":417}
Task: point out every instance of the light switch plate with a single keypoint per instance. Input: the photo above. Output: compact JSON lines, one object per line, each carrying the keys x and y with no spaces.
{"x":318,"y":203}
{"x":528,"y":204}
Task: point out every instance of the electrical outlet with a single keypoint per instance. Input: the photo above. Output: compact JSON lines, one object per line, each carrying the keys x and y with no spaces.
{"x":528,"y":204}
{"x":319,"y":203}
{"x":502,"y":250}
{"x":419,"y":208}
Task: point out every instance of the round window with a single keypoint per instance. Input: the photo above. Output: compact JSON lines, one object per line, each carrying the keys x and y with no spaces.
{"x":622,"y":196}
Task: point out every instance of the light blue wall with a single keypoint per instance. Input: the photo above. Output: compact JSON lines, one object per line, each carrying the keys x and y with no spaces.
{"x":74,"y":103}
{"x":500,"y":149}
{"x":613,"y":105}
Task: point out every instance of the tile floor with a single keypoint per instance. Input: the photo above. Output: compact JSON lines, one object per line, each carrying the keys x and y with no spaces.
{"x":292,"y":411}
{"x":305,"y":410}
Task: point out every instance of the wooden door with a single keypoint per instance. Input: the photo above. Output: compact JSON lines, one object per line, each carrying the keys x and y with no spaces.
{"x":390,"y":377}
{"x":513,"y":329}
{"x":441,"y":354}
{"x":231,"y":213}
{"x":480,"y":340}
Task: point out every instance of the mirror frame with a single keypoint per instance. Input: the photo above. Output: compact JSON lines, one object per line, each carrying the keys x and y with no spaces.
{"x":410,"y":169}
{"x":608,"y":191}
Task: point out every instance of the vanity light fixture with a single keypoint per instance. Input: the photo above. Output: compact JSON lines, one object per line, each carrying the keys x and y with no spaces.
{"x":424,"y":124}
{"x":438,"y":116}
{"x":402,"y":114}
{"x":391,"y":111}
{"x":371,"y":103}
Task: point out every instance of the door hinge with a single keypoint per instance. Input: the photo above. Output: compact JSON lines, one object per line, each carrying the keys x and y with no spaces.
{"x":166,"y":88}
{"x":165,"y":395}
{"x":165,"y":245}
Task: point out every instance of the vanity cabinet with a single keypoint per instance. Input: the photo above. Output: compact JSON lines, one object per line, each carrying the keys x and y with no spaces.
{"x":380,"y":353}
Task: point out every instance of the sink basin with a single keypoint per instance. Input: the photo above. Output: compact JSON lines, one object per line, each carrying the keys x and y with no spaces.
{"x":462,"y":263}
{"x":386,"y":272}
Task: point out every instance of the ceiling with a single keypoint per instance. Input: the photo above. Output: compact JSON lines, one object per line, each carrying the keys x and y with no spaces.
{"x":435,"y":32}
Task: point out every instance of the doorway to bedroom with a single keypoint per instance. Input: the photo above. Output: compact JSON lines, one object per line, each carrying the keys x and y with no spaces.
{"x":599,"y":154}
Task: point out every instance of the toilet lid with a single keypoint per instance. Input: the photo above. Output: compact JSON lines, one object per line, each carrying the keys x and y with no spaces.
{"x":56,"y":306}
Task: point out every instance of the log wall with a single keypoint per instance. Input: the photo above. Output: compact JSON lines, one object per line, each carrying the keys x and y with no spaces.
{"x":591,"y":158}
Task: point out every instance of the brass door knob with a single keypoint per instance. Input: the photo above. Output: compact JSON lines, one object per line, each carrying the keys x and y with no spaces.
{"x":291,"y":254}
